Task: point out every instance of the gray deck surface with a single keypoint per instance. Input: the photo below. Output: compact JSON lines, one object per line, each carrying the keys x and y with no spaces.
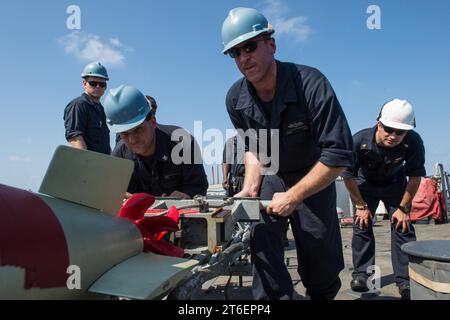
{"x":215,"y":289}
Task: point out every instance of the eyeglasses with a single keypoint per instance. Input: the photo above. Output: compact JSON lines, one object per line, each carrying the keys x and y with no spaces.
{"x":392,"y":130}
{"x":94,"y":84}
{"x":248,"y":47}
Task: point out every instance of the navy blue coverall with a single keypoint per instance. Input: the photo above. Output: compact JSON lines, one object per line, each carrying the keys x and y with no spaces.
{"x":312,"y":127}
{"x":381,"y":175}
{"x":160,"y":174}
{"x":233,"y":157}
{"x":84,"y":117}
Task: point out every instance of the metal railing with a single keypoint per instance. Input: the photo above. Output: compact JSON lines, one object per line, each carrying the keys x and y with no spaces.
{"x":443,"y":180}
{"x":216,"y":176}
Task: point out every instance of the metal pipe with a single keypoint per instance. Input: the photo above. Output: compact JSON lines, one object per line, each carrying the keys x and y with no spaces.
{"x":445,"y":182}
{"x":200,"y":201}
{"x":218,"y":176}
{"x":444,"y":188}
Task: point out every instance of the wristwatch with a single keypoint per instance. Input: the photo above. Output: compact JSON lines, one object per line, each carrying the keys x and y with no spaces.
{"x":405,"y":209}
{"x":363,"y":207}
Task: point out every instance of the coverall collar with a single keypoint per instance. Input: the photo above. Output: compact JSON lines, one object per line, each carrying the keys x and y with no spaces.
{"x":285,"y":92}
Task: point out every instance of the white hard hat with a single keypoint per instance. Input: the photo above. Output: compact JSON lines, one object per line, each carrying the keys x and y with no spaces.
{"x":398,"y":114}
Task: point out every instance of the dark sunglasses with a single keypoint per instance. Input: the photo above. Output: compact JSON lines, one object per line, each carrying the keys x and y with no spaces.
{"x":94,"y":84}
{"x":248,"y":47}
{"x":392,"y":130}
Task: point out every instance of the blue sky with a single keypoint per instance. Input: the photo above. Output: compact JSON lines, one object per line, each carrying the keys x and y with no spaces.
{"x":172,"y":50}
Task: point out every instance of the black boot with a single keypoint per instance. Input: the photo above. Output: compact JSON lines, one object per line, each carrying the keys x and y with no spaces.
{"x":359,"y":284}
{"x":405,"y":292}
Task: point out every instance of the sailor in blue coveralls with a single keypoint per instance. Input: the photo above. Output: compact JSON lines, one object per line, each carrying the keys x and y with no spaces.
{"x":84,"y":117}
{"x":233,"y":168}
{"x":386,"y":155}
{"x":161,"y":168}
{"x":315,"y":145}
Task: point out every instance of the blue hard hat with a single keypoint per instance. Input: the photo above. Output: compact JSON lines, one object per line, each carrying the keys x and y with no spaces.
{"x":126,"y":108}
{"x":95,"y":69}
{"x":242,"y":24}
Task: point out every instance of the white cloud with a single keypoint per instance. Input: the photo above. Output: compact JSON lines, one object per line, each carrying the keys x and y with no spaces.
{"x":15,"y":158}
{"x":89,"y":47}
{"x":115,"y":42}
{"x":295,"y":27}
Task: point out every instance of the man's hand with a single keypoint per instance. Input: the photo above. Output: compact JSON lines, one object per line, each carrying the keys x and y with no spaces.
{"x":362,"y":218}
{"x":246,"y":194}
{"x":225,"y":184}
{"x":78,"y":142}
{"x":401,"y":220}
{"x":127,"y":196}
{"x":282,"y":204}
{"x":180,"y":195}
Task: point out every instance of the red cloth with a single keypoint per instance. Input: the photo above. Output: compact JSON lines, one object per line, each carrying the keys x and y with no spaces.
{"x":153,"y":229}
{"x":32,"y":238}
{"x":427,"y":202}
{"x":134,"y":208}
